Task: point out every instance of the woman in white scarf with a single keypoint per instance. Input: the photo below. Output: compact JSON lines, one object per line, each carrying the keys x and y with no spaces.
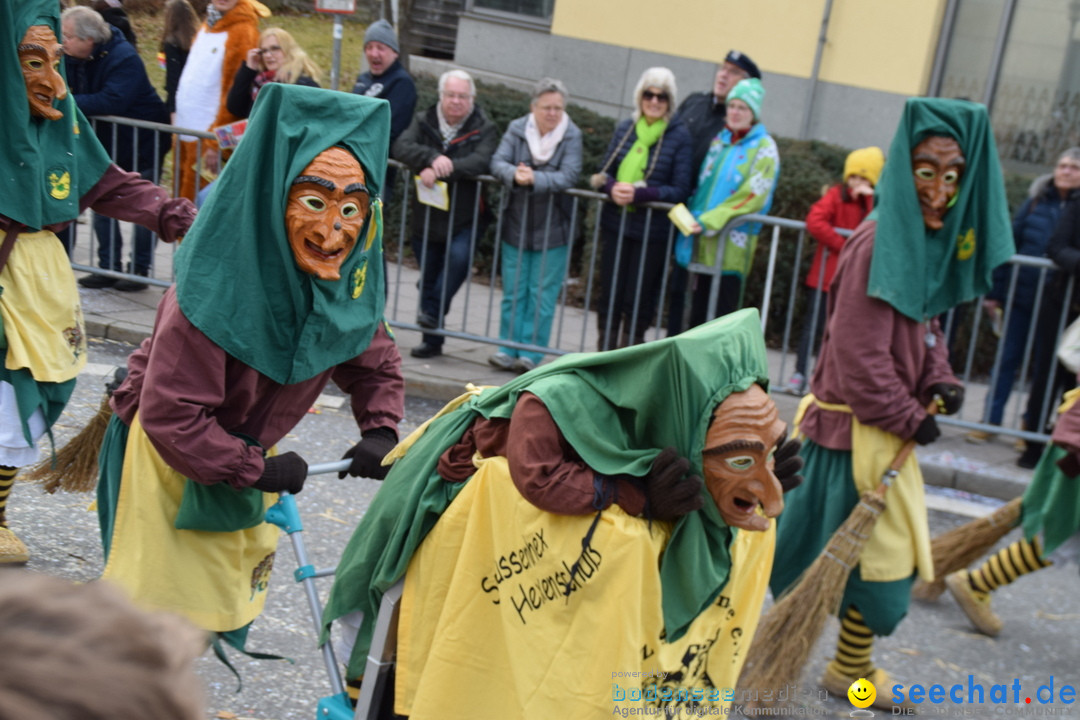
{"x":539,"y":156}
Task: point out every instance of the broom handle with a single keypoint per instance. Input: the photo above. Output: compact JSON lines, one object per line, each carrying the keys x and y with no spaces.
{"x":902,"y":456}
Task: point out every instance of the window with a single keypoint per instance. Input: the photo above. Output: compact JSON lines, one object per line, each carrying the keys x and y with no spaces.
{"x":532,"y":8}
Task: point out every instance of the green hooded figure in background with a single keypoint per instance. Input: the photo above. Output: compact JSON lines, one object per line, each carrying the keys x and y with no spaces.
{"x":51,"y":168}
{"x":940,"y":227}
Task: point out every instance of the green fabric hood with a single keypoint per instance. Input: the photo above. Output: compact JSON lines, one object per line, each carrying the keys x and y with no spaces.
{"x":236,"y":278}
{"x":923,"y":273}
{"x":47,"y":164}
{"x":618,"y":409}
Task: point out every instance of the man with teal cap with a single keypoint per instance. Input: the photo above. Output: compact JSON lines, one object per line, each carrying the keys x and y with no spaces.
{"x":51,"y":168}
{"x":940,"y":227}
{"x":279,"y":290}
{"x":600,"y":459}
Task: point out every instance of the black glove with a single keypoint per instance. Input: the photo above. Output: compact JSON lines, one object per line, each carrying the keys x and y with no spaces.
{"x":788,"y":463}
{"x":119,"y":375}
{"x":927,"y":432}
{"x":952,"y":397}
{"x":668,"y":494}
{"x":283,"y":473}
{"x":1070,"y":465}
{"x":367,"y":454}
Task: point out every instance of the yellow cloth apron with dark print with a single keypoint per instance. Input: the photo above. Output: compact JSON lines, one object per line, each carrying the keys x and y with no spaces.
{"x":42,"y":317}
{"x":218,"y":580}
{"x":900,"y":540}
{"x":485,"y":623}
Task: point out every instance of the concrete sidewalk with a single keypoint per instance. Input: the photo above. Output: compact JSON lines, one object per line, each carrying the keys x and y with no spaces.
{"x":951,"y":462}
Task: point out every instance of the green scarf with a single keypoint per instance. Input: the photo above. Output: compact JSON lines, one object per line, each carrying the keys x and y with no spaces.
{"x":45,"y":165}
{"x":923,"y":273}
{"x":617,"y":409}
{"x":236,"y":278}
{"x":632,"y":168}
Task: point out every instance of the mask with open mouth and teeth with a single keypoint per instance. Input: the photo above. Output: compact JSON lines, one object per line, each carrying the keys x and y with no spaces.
{"x":328,"y":203}
{"x":738,"y":459}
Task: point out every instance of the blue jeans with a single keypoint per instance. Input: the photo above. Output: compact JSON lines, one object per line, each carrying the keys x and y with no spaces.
{"x":1012,"y":353}
{"x":111,"y":242}
{"x":805,"y":351}
{"x":444,"y":268}
{"x":531,"y":283}
{"x":110,"y":245}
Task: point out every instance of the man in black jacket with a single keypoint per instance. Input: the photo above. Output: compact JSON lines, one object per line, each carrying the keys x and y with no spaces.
{"x":704,"y":113}
{"x":107,"y":77}
{"x":450,"y":142}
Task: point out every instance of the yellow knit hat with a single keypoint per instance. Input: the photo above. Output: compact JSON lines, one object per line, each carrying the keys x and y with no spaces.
{"x":865,"y":162}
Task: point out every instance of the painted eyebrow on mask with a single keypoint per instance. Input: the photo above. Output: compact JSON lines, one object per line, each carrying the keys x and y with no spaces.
{"x":357,"y":187}
{"x":315,"y":179}
{"x":733,"y":446}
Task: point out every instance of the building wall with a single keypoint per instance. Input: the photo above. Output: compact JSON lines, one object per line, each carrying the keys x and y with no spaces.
{"x":600,"y":47}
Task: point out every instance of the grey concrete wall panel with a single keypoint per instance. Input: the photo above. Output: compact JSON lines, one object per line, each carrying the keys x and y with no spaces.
{"x":504,"y":49}
{"x":785,"y":101}
{"x":855,"y":117}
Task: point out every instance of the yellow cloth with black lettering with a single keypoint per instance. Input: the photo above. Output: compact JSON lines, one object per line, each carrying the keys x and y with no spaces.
{"x":217,"y":580}
{"x":485,"y":627}
{"x":900,"y":539}
{"x":43,"y":320}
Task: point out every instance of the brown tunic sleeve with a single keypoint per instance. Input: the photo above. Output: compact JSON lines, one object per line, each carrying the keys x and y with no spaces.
{"x":127,"y":196}
{"x":546,"y":470}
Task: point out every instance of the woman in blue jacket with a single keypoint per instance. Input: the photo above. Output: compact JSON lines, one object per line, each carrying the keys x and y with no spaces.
{"x":649,"y":159}
{"x":1033,"y":225}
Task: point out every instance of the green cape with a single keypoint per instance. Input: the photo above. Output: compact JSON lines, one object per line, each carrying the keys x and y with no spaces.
{"x":924,"y":273}
{"x":236,"y":278}
{"x":618,"y":410}
{"x":45,"y":165}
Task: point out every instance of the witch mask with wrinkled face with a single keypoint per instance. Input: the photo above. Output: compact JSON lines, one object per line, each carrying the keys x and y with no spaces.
{"x":738,"y":459}
{"x":328,"y":203}
{"x":39,"y":60}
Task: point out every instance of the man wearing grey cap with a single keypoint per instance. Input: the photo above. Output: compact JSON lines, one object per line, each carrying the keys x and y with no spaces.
{"x":703,"y":113}
{"x":386,"y":78}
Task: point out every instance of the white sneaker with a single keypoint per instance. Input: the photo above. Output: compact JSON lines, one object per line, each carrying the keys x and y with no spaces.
{"x":501,"y":361}
{"x":796,"y":385}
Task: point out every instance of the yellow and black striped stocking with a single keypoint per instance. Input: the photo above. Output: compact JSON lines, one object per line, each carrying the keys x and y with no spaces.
{"x":7,"y":481}
{"x":1007,"y":564}
{"x":854,"y":646}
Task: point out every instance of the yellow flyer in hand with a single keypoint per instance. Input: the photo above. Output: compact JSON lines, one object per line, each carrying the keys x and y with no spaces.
{"x":436,"y":196}
{"x":681,"y":217}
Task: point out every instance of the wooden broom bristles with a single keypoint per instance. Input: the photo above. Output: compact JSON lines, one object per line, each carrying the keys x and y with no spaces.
{"x":75,"y":467}
{"x":788,"y":631}
{"x":956,"y":549}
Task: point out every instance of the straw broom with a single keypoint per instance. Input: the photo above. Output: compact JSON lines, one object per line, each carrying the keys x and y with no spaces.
{"x":956,"y":549}
{"x":75,"y":467}
{"x":790,"y":628}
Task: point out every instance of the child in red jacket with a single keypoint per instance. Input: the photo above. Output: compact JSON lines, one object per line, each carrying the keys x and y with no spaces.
{"x":844,"y":206}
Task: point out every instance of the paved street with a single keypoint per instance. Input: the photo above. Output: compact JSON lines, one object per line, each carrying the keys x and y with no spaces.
{"x":934,"y":644}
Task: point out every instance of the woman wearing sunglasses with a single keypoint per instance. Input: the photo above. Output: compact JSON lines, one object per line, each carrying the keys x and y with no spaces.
{"x":277,"y":59}
{"x":649,"y":159}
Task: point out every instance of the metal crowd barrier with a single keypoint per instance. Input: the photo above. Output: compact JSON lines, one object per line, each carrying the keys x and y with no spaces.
{"x":473,"y":313}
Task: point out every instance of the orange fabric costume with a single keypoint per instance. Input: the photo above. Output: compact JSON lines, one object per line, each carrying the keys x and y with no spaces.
{"x":240,"y":27}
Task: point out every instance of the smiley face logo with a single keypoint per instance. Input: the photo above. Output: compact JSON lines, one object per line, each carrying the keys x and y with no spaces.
{"x":862,"y":693}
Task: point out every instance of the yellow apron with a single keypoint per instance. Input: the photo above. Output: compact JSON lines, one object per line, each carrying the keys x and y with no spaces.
{"x":485,"y":626}
{"x":43,"y":320}
{"x":900,"y":540}
{"x":218,"y":580}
